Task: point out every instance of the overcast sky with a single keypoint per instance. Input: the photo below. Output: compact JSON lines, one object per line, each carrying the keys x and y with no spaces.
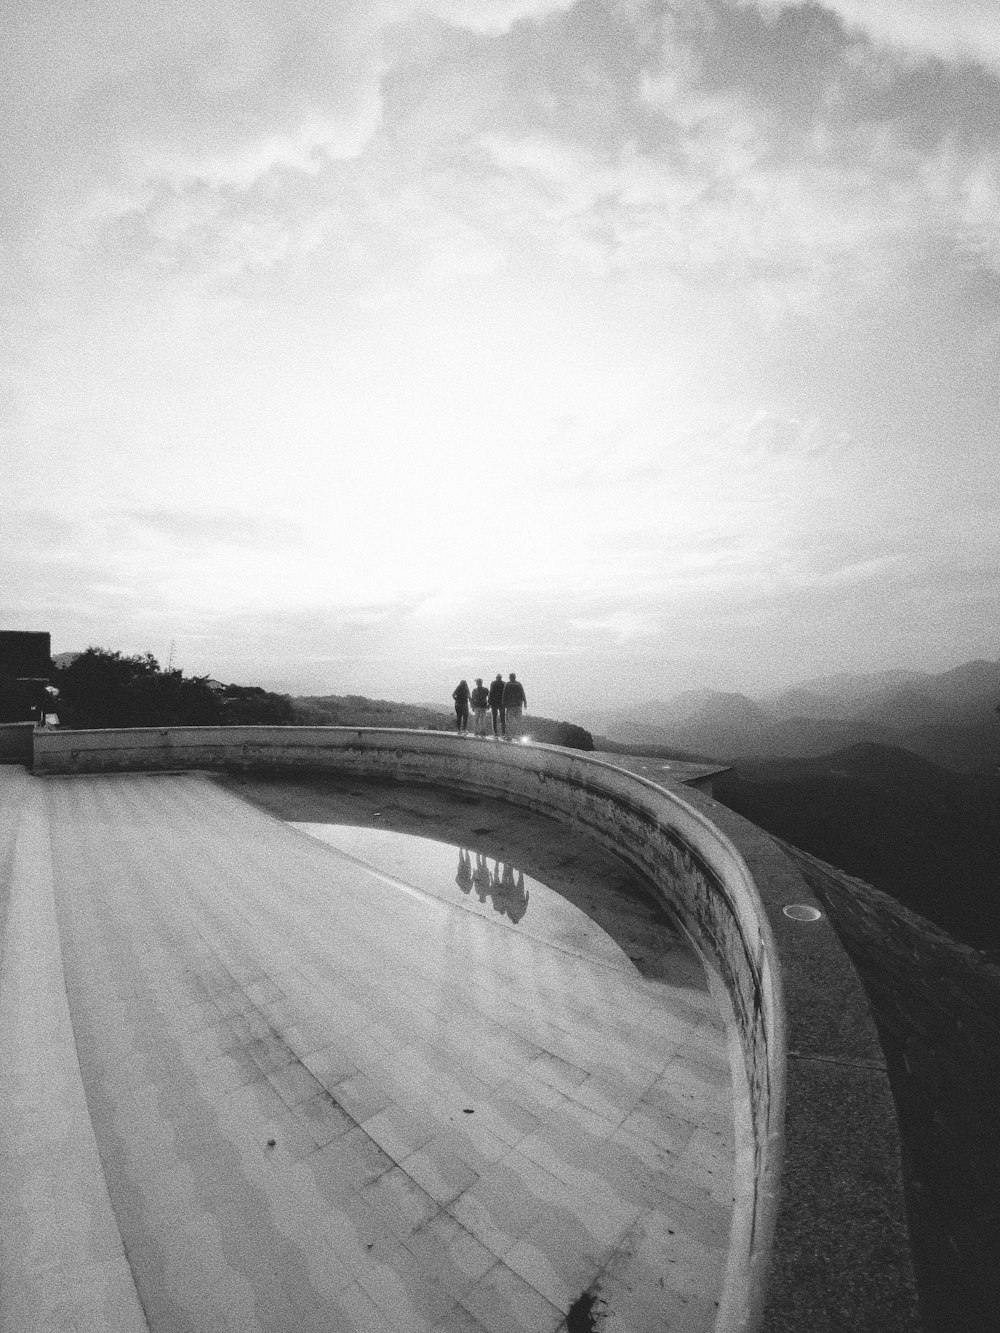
{"x":357,"y":347}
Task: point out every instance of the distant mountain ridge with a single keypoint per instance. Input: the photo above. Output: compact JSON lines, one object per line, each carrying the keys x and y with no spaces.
{"x":949,"y":718}
{"x":355,"y":710}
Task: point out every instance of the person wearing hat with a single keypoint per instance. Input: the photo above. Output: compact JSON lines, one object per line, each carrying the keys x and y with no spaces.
{"x":480,"y":703}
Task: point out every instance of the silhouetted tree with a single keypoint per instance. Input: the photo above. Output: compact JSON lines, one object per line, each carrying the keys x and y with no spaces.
{"x":576,"y":738}
{"x":171,"y":699}
{"x":94,"y":689}
{"x":249,"y":705}
{"x":108,"y":689}
{"x":559,"y":733}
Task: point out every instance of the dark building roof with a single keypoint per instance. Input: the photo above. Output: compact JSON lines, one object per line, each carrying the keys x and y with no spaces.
{"x":25,"y":653}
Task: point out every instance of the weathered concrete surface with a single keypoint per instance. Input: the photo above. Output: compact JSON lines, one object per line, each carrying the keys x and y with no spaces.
{"x":322,"y":1099}
{"x":729,"y":883}
{"x":61,"y":1256}
{"x":698,"y":871}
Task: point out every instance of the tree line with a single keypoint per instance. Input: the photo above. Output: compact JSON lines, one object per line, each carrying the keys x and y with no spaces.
{"x":100,"y":688}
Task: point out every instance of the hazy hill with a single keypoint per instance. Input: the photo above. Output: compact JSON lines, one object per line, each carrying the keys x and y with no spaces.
{"x":732,"y":727}
{"x":853,"y":688}
{"x":949,"y":718}
{"x":926,"y":835}
{"x":802,"y":701}
{"x":354,"y":710}
{"x":907,"y":698}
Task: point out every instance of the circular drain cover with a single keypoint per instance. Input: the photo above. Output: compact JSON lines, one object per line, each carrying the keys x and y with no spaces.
{"x":802,"y":912}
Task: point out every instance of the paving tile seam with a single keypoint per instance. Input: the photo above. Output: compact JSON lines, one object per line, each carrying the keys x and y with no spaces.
{"x":499,"y":1260}
{"x":530,"y":1016}
{"x":878,"y":1066}
{"x":279,"y":1037}
{"x":360,"y":1124}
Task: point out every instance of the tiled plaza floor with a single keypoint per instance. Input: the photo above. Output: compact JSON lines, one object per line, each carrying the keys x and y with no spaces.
{"x":334,"y":1088}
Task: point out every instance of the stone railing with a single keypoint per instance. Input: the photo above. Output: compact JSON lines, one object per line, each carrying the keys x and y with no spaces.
{"x":725,"y":881}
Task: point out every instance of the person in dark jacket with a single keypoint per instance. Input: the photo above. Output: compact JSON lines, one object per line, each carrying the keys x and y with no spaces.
{"x":480,"y":703}
{"x":461,"y":695}
{"x":495,"y":699}
{"x":515,"y":701}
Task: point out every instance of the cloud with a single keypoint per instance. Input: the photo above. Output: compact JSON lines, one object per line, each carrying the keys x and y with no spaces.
{"x":776,"y":435}
{"x":776,"y":153}
{"x":141,"y":563}
{"x":780,"y":153}
{"x":491,"y":16}
{"x":623,"y":626}
{"x":36,"y":529}
{"x":105,"y":95}
{"x":197,"y":530}
{"x":222,"y":91}
{"x":962,"y":31}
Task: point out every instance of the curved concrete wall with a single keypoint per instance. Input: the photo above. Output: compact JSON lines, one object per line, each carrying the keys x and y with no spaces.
{"x":725,"y":880}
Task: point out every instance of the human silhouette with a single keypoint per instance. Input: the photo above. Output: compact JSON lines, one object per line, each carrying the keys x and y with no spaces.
{"x":464,"y":876}
{"x":481,"y":879}
{"x":505,"y":888}
{"x":461,"y":694}
{"x":480,"y":703}
{"x":515,"y":701}
{"x":510,"y":898}
{"x":495,"y":700}
{"x":518,"y":904}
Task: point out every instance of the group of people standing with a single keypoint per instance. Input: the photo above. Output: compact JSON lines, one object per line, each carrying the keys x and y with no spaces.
{"x":504,"y":699}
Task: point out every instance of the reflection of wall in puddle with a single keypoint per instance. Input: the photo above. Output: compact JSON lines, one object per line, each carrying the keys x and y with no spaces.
{"x":510,"y":897}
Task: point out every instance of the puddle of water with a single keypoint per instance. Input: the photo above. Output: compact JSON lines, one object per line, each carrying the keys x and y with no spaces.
{"x":463,"y":879}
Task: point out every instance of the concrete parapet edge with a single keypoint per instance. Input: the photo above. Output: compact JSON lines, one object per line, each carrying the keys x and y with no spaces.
{"x":15,"y":742}
{"x":727,"y":882}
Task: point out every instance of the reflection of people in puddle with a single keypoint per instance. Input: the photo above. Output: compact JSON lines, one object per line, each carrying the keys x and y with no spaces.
{"x":464,"y":877}
{"x":505,"y":887}
{"x":481,"y":878}
{"x":510,"y":898}
{"x":510,"y":895}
